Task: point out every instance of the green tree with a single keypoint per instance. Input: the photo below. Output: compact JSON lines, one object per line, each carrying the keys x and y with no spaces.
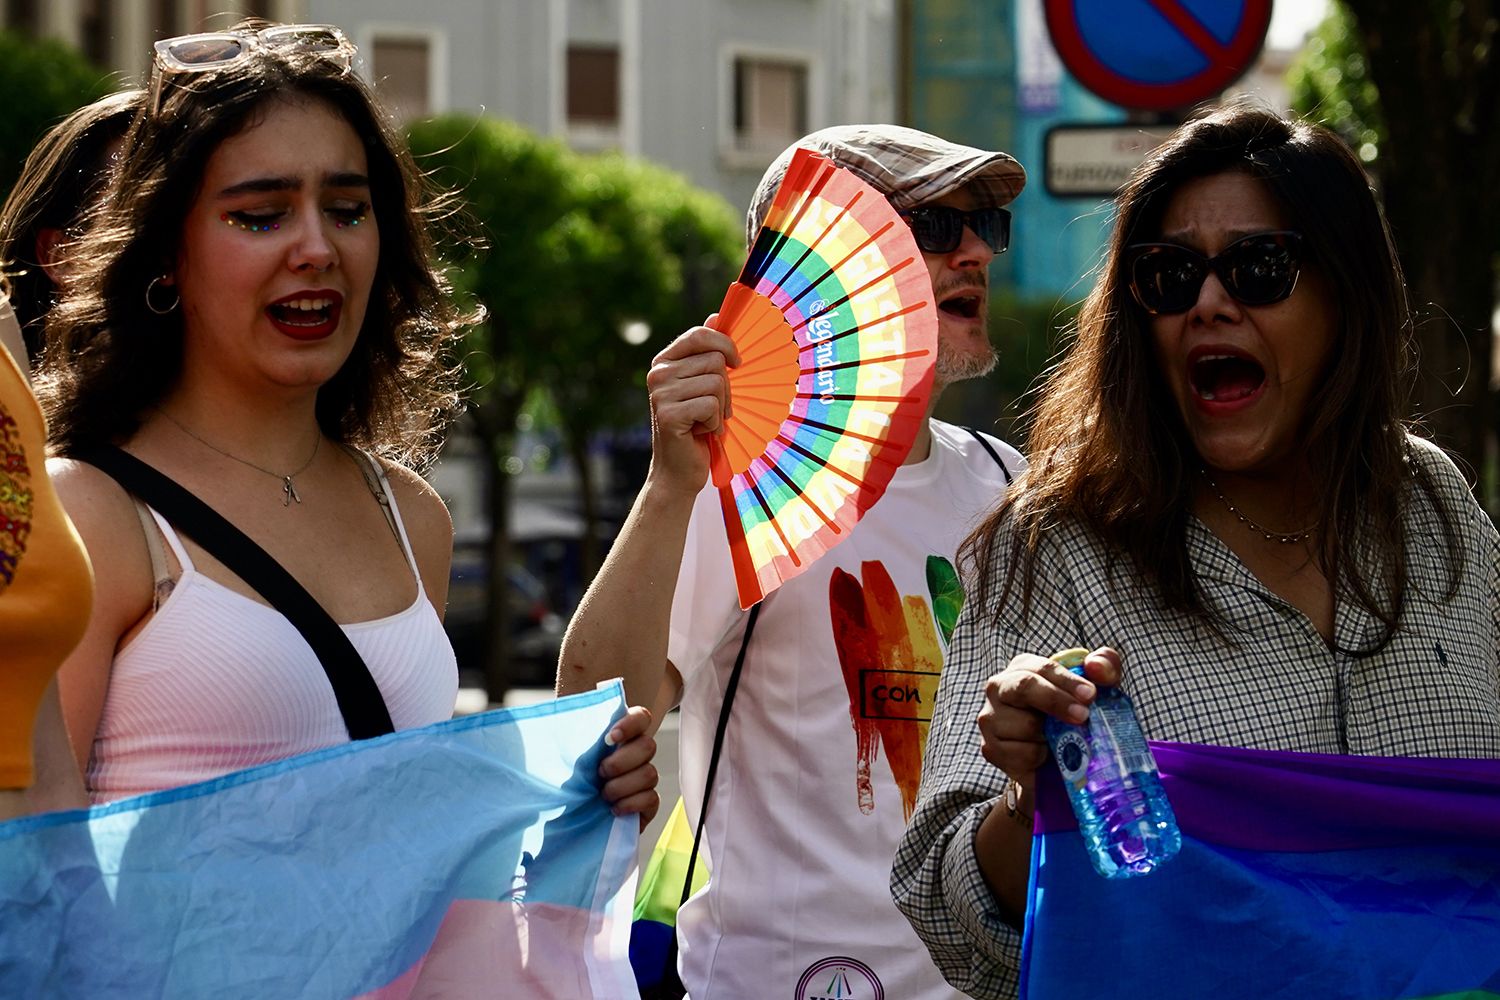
{"x":705,"y":235}
{"x":40,"y":83}
{"x":645,"y":248}
{"x":1331,"y":82}
{"x":573,"y":249}
{"x":516,"y":188}
{"x":1416,"y":88}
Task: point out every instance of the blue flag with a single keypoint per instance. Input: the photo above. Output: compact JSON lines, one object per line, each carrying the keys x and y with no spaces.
{"x":469,"y":858}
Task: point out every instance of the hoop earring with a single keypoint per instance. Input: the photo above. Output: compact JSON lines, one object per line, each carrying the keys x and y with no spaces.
{"x":161,"y":279}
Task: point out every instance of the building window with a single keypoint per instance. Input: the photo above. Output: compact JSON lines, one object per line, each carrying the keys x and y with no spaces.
{"x":593,"y":86}
{"x":770,"y":102}
{"x":402,"y":68}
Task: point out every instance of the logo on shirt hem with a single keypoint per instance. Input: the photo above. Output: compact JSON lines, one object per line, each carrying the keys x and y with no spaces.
{"x":839,"y":977}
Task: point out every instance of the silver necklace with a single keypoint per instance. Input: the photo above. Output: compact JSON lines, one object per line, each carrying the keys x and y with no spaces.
{"x":1271,"y":536}
{"x":288,"y":488}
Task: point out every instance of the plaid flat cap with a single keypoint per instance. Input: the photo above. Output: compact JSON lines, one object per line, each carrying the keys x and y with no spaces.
{"x":909,"y":167}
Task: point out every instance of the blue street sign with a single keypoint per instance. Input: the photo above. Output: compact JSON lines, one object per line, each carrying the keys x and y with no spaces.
{"x":1157,"y":54}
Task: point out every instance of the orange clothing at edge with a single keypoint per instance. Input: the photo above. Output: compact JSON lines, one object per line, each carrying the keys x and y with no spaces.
{"x":46,"y":583}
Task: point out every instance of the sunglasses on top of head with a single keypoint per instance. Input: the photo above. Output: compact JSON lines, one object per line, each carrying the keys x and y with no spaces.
{"x":1256,"y":270}
{"x":217,"y":49}
{"x":940,"y":228}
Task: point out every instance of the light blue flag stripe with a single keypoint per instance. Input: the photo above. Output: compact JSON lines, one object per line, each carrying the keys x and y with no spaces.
{"x":331,"y":874}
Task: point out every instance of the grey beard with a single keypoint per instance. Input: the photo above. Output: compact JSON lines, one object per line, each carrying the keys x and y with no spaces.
{"x":955,"y":367}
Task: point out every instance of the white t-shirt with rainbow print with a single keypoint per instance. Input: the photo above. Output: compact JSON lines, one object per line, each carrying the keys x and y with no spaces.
{"x":823,"y":752}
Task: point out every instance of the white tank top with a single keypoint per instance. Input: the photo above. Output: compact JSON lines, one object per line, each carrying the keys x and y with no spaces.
{"x":217,"y":682}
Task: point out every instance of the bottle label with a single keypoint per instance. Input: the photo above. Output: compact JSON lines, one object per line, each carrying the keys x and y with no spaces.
{"x":1130,"y":745}
{"x":1072,"y":753}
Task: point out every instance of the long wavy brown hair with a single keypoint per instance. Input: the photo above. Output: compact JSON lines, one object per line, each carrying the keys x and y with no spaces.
{"x":110,"y":359}
{"x":63,"y":177}
{"x":1108,"y":449}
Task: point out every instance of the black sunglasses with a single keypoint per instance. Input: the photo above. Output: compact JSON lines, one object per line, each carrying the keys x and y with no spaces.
{"x":1257,"y":270}
{"x":940,"y":229}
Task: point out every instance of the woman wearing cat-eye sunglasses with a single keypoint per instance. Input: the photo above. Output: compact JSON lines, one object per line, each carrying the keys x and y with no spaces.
{"x":1223,"y":489}
{"x":1256,"y":270}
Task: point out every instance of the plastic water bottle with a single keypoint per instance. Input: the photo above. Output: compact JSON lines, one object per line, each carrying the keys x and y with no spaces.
{"x":1111,"y":777}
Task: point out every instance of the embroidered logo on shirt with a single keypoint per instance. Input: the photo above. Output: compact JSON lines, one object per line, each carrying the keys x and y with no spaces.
{"x":839,"y":978}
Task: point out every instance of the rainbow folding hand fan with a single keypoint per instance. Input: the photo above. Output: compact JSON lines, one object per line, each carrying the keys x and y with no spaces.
{"x":837,"y":335}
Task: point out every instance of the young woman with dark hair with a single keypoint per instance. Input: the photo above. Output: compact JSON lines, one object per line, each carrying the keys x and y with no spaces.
{"x":259,"y":318}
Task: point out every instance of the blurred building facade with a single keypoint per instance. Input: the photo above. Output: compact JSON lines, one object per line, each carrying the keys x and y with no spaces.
{"x":117,"y":34}
{"x":711,"y":88}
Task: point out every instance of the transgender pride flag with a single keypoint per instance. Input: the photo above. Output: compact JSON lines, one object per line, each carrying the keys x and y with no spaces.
{"x":1301,"y":876}
{"x":472,"y":858}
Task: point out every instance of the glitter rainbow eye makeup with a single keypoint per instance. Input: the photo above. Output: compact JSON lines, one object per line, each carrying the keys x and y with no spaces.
{"x":248,"y":223}
{"x":343,"y":218}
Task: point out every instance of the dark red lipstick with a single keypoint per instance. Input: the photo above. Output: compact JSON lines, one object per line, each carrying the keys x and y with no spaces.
{"x":310,"y":315}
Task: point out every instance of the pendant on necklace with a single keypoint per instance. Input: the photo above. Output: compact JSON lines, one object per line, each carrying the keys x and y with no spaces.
{"x":290,"y":492}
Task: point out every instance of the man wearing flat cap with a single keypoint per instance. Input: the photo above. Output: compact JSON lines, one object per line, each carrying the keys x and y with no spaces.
{"x":821,"y":753}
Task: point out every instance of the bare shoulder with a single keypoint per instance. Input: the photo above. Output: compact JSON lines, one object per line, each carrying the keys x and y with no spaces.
{"x":422,"y":508}
{"x":105,"y":517}
{"x":91,"y":497}
{"x":429,"y":528}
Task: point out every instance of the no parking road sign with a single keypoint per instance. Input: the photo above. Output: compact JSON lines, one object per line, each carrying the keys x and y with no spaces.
{"x":1157,"y":54}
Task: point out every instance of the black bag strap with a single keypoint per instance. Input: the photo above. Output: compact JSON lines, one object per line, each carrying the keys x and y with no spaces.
{"x":359,"y":699}
{"x":671,"y":984}
{"x":985,"y":443}
{"x":713,"y":758}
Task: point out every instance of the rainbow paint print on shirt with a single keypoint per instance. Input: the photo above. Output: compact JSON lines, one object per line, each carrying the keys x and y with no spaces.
{"x":892,"y":659}
{"x":1300,"y":875}
{"x":469,"y":858}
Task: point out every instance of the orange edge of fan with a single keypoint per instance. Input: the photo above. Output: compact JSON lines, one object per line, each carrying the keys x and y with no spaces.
{"x":768,"y":357}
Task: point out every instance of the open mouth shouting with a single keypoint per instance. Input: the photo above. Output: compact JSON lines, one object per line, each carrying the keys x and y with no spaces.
{"x":965,"y":303}
{"x":1223,"y":379}
{"x":310,"y":315}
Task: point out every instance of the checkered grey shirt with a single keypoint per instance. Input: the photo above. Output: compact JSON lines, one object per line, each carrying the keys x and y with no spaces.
{"x":1433,"y":691}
